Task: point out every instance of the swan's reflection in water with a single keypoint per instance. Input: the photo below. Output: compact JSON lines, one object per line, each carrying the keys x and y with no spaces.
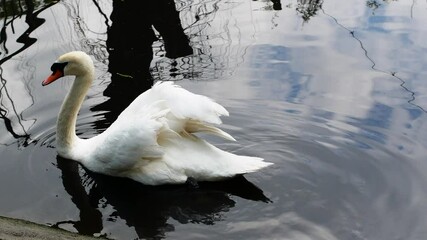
{"x":145,"y":208}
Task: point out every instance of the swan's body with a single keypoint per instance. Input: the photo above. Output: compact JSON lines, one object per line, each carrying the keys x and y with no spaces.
{"x":152,"y":140}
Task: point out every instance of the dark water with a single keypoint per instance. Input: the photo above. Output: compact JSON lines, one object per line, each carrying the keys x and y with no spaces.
{"x":333,"y":92}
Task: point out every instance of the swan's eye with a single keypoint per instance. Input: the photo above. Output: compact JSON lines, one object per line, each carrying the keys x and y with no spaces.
{"x":58,"y":66}
{"x":57,"y":72}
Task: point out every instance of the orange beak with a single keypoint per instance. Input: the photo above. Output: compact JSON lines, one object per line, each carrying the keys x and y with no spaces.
{"x":55,"y":75}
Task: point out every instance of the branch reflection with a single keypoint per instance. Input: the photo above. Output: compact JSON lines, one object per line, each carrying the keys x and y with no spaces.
{"x":12,"y":10}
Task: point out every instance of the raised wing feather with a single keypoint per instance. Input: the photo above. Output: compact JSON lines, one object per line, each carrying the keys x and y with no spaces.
{"x":186,"y":104}
{"x":182,"y":103}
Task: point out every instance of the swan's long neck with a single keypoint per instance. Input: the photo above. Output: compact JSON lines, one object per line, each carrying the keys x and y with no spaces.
{"x":66,"y":123}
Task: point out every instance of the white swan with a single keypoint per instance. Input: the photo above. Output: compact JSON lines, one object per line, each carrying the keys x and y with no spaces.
{"x":152,"y":140}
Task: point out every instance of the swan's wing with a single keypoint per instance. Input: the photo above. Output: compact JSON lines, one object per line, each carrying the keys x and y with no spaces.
{"x":189,"y":112}
{"x":129,"y":141}
{"x":182,"y":103}
{"x":185,"y":104}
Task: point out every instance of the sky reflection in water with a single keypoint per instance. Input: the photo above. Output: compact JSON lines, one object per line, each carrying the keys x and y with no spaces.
{"x":333,"y":92}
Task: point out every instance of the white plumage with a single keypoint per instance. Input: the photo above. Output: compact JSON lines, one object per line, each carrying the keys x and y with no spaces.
{"x":152,"y":140}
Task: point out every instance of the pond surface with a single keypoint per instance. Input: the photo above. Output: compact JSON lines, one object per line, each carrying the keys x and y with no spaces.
{"x":332,"y":92}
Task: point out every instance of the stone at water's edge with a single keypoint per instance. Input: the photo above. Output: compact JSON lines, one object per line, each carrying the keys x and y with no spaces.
{"x":14,"y":229}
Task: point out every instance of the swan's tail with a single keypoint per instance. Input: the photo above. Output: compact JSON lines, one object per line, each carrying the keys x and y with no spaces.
{"x":229,"y":167}
{"x":246,"y":164}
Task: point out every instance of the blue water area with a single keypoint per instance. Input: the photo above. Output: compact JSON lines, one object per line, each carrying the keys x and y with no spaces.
{"x":332,"y":92}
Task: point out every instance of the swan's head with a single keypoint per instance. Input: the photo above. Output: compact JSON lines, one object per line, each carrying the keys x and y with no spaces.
{"x":73,"y":63}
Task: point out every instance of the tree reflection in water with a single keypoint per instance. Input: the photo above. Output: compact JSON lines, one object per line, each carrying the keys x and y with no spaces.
{"x":308,"y":8}
{"x":10,"y":11}
{"x":130,"y":50}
